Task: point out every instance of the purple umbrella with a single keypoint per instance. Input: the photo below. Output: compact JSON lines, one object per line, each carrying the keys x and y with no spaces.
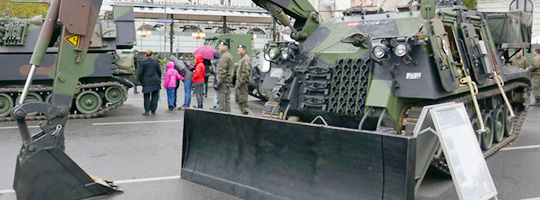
{"x":206,"y":51}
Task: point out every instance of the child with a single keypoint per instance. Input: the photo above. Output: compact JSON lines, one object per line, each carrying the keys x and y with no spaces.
{"x":198,"y":79}
{"x":170,"y":84}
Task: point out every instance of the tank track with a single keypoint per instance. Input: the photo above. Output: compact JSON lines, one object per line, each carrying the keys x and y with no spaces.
{"x":440,"y":162}
{"x":104,"y":109}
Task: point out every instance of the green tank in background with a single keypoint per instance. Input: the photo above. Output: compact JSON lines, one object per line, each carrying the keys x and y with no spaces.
{"x":103,"y":84}
{"x":260,"y":66}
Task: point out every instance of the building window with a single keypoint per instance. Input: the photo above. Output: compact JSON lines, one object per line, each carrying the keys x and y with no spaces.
{"x":523,"y":5}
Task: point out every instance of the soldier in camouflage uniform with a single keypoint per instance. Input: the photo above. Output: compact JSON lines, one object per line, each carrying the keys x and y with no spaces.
{"x":243,"y":73}
{"x":224,"y":77}
{"x":535,"y":73}
{"x":519,"y":60}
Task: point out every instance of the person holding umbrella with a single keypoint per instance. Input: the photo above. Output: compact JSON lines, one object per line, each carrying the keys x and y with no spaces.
{"x":198,"y":79}
{"x":207,"y":53}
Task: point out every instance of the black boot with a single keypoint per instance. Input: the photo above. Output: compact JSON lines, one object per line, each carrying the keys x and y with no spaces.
{"x":536,"y":102}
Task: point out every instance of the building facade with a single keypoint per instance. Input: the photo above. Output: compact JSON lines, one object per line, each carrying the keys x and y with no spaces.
{"x":206,"y":16}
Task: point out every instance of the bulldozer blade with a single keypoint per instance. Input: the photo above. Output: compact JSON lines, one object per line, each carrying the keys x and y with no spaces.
{"x":51,"y":174}
{"x":260,"y":158}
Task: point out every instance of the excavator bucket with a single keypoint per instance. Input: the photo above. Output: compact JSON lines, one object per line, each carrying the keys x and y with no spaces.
{"x":51,"y":174}
{"x":261,"y":158}
{"x":43,"y":169}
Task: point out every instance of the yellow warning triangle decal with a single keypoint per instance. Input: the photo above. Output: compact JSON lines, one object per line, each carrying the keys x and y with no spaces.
{"x":73,"y":39}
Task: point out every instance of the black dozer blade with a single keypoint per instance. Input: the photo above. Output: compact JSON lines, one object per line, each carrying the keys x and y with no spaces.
{"x":44,"y":170}
{"x":261,"y":158}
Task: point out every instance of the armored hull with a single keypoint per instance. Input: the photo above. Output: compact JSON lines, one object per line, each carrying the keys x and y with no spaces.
{"x":338,"y":73}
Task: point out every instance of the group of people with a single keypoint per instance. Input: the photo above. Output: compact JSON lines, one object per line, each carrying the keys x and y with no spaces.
{"x":196,"y":77}
{"x":522,"y":62}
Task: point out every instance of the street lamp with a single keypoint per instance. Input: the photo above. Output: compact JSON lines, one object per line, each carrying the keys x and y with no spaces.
{"x":144,"y":31}
{"x":198,"y":34}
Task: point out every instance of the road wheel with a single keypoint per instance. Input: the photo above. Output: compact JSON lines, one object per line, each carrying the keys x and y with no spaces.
{"x":509,"y":123}
{"x":487,"y":136}
{"x":498,"y":124}
{"x":6,"y":104}
{"x":88,"y":102}
{"x":31,"y":96}
{"x":114,"y":94}
{"x":476,"y":125}
{"x":48,"y":98}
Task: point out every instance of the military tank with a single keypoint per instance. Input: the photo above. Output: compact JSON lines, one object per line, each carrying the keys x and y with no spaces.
{"x":370,"y":71}
{"x":103,"y":84}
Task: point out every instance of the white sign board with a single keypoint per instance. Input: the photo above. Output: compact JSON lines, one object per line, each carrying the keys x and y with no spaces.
{"x":465,"y":159}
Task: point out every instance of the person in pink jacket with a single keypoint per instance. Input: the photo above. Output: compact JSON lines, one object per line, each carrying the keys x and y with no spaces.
{"x":198,"y":79}
{"x":170,"y":84}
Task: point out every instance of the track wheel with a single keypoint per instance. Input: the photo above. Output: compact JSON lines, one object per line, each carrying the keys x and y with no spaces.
{"x":6,"y":104}
{"x":88,"y":102}
{"x":48,"y":98}
{"x":499,"y":121}
{"x":487,"y":136}
{"x":476,"y":125}
{"x":114,"y":94}
{"x":31,"y":96}
{"x":509,"y":124}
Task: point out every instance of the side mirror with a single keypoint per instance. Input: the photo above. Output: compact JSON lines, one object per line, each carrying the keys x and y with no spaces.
{"x":427,"y":8}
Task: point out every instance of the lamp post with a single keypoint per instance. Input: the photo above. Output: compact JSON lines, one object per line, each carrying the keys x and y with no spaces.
{"x":142,"y":32}
{"x":198,"y":34}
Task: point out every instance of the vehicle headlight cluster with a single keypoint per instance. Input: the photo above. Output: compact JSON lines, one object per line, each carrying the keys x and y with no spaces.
{"x":280,"y":52}
{"x":380,"y":50}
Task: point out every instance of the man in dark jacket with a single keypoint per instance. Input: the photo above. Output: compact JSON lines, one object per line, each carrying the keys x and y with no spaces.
{"x":150,"y":77}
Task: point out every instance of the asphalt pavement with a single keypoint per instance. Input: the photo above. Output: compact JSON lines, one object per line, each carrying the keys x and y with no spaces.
{"x":143,"y":155}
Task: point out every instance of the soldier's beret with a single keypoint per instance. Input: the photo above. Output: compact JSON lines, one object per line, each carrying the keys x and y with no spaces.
{"x":224,"y":43}
{"x":242,"y":46}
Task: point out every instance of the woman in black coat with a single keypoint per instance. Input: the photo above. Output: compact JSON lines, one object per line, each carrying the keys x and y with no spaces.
{"x":150,"y":78}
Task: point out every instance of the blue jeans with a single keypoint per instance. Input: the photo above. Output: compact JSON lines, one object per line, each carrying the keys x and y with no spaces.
{"x":170,"y":97}
{"x":188,"y":85}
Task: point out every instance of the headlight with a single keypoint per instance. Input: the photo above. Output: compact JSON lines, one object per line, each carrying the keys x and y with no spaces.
{"x":284,"y":54}
{"x":400,"y":50}
{"x":272,"y":53}
{"x":378,"y":51}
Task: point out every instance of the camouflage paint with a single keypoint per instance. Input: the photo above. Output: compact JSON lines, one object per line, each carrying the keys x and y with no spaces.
{"x":99,"y":66}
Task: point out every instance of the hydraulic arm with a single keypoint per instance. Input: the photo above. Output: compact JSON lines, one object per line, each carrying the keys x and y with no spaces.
{"x":43,"y":169}
{"x":306,"y":17}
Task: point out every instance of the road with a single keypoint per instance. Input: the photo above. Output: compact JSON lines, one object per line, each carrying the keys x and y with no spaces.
{"x":142,"y":154}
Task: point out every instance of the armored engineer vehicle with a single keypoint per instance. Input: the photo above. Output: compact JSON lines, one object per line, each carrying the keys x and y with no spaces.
{"x":366,"y":76}
{"x":381,"y":68}
{"x":103,"y":82}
